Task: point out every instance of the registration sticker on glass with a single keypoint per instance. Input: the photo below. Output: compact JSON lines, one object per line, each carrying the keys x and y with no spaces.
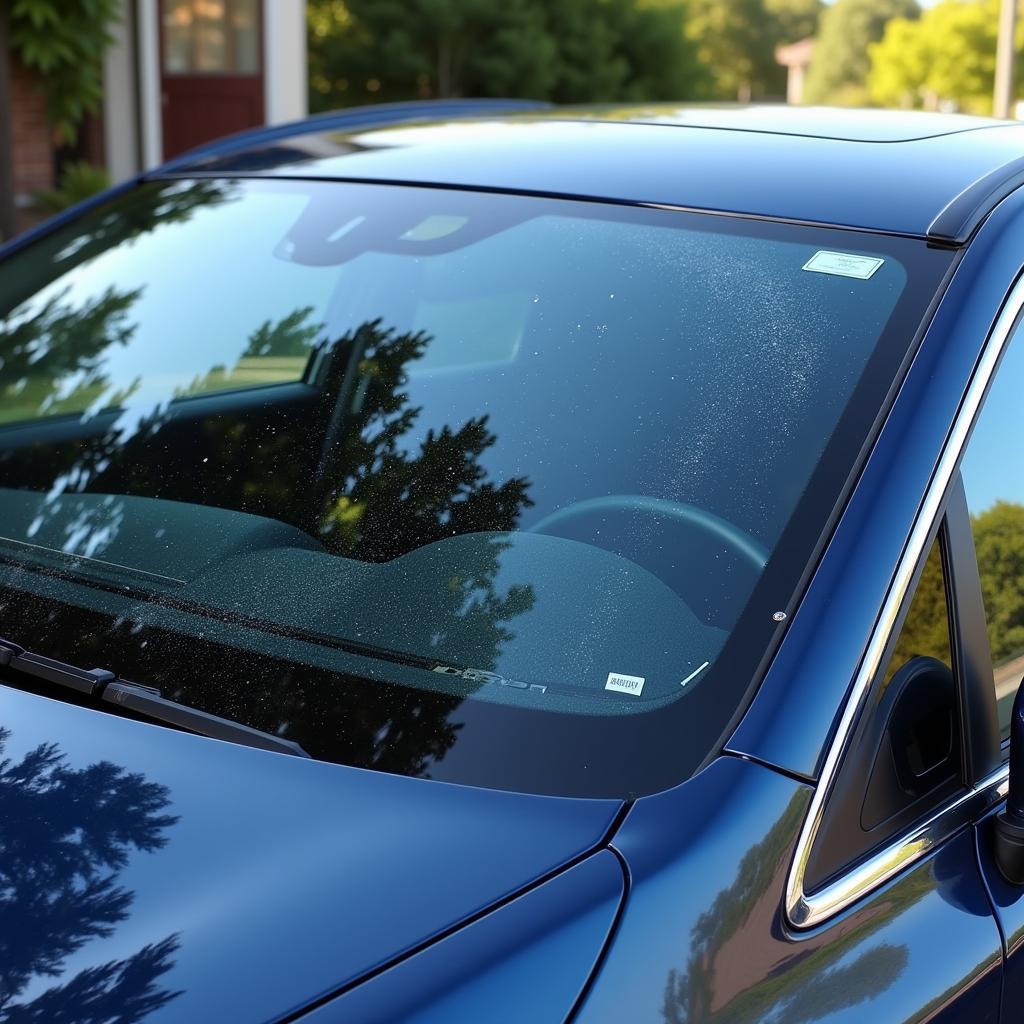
{"x":845,"y":264}
{"x":625,"y":684}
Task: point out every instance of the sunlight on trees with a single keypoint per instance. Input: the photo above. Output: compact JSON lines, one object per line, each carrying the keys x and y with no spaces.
{"x":839,"y":70}
{"x":366,"y":51}
{"x":946,"y":58}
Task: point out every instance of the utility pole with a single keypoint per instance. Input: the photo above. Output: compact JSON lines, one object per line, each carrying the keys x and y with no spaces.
{"x":7,"y":211}
{"x":1005,"y":53}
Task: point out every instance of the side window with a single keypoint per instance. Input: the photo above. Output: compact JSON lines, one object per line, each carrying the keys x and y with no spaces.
{"x":917,"y":700}
{"x":925,"y":632}
{"x":905,"y":757}
{"x":993,"y":475}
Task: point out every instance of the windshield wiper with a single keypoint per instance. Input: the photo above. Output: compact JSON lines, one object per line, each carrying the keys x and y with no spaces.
{"x":147,"y":701}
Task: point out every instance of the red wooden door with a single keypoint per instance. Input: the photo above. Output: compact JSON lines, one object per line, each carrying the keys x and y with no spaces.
{"x":211,"y":69}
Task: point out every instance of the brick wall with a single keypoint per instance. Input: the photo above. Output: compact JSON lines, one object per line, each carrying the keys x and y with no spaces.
{"x":33,"y":140}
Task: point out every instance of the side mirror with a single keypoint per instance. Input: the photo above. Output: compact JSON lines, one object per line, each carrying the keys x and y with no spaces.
{"x":917,"y":748}
{"x":1009,"y":852}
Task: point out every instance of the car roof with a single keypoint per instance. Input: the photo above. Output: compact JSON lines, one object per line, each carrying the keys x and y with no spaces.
{"x":928,"y":175}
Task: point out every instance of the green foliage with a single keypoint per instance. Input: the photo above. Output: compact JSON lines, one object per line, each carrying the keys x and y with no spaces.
{"x":925,"y":631}
{"x":946,"y":56}
{"x":573,"y":51}
{"x":64,"y":41}
{"x":839,"y":71}
{"x":79,"y":181}
{"x":793,"y":20}
{"x":732,"y":40}
{"x":999,"y":543}
{"x":737,"y":39}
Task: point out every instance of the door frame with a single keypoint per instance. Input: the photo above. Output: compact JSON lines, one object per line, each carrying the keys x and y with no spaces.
{"x":259,"y":76}
{"x":804,"y":909}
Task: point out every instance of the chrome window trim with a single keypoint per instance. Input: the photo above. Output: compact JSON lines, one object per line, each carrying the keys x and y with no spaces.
{"x":805,"y":910}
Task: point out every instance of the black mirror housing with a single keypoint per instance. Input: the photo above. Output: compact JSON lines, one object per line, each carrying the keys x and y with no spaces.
{"x":1009,"y":831}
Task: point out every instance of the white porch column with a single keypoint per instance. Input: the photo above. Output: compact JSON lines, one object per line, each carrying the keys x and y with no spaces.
{"x":147,"y":36}
{"x":285,"y":73}
{"x":120,"y":111}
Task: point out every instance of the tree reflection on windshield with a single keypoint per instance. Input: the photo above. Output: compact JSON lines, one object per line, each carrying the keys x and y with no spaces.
{"x":65,"y":835}
{"x":346,"y":472}
{"x":383,"y":499}
{"x":51,"y":359}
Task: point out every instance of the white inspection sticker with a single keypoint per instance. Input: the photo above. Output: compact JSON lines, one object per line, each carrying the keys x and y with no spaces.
{"x":846,"y":264}
{"x":625,"y":684}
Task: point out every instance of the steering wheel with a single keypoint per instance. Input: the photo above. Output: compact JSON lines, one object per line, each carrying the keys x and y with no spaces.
{"x":750,"y":551}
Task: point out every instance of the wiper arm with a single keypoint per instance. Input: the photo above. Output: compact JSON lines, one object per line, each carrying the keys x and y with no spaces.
{"x":147,"y":701}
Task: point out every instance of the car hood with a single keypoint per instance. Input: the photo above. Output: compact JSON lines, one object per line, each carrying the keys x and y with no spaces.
{"x":159,"y":876}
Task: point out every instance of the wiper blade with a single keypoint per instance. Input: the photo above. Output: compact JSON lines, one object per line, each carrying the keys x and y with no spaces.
{"x":147,"y":701}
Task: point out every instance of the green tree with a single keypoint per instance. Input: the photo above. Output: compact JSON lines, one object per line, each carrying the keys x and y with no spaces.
{"x":737,"y":39}
{"x":839,"y":71}
{"x":946,"y":56}
{"x":999,"y":543}
{"x":794,"y":20}
{"x":373,"y":50}
{"x":78,"y":181}
{"x":623,"y":51}
{"x":899,"y":66}
{"x":925,"y":631}
{"x":64,"y":41}
{"x":573,"y":51}
{"x":733,"y":42}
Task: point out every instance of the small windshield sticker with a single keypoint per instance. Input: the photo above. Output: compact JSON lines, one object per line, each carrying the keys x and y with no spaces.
{"x":845,"y":264}
{"x":696,"y":672}
{"x":625,"y":684}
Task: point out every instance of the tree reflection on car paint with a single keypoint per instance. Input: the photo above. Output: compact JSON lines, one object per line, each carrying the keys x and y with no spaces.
{"x":65,"y":836}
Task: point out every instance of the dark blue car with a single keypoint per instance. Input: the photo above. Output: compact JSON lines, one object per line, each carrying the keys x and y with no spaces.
{"x":472,"y":562}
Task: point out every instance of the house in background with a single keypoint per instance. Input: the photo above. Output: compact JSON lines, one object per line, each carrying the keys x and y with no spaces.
{"x":180,"y":72}
{"x":796,"y":59}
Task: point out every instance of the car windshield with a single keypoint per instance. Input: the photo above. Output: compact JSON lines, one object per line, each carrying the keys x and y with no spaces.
{"x":496,"y":489}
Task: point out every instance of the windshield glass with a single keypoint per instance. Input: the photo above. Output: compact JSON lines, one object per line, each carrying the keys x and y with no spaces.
{"x":496,"y":489}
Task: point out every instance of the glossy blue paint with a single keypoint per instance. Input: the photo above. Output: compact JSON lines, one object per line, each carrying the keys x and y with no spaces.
{"x":823,"y":122}
{"x":26,"y":238}
{"x":1008,"y":901}
{"x":262,"y":881}
{"x":351,"y":118}
{"x":702,"y":938}
{"x":825,"y":639}
{"x":527,"y":961}
{"x":779,"y":119}
{"x":800,"y":177}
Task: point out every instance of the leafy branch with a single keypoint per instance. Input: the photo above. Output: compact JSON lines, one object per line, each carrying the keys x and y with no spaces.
{"x":64,"y":41}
